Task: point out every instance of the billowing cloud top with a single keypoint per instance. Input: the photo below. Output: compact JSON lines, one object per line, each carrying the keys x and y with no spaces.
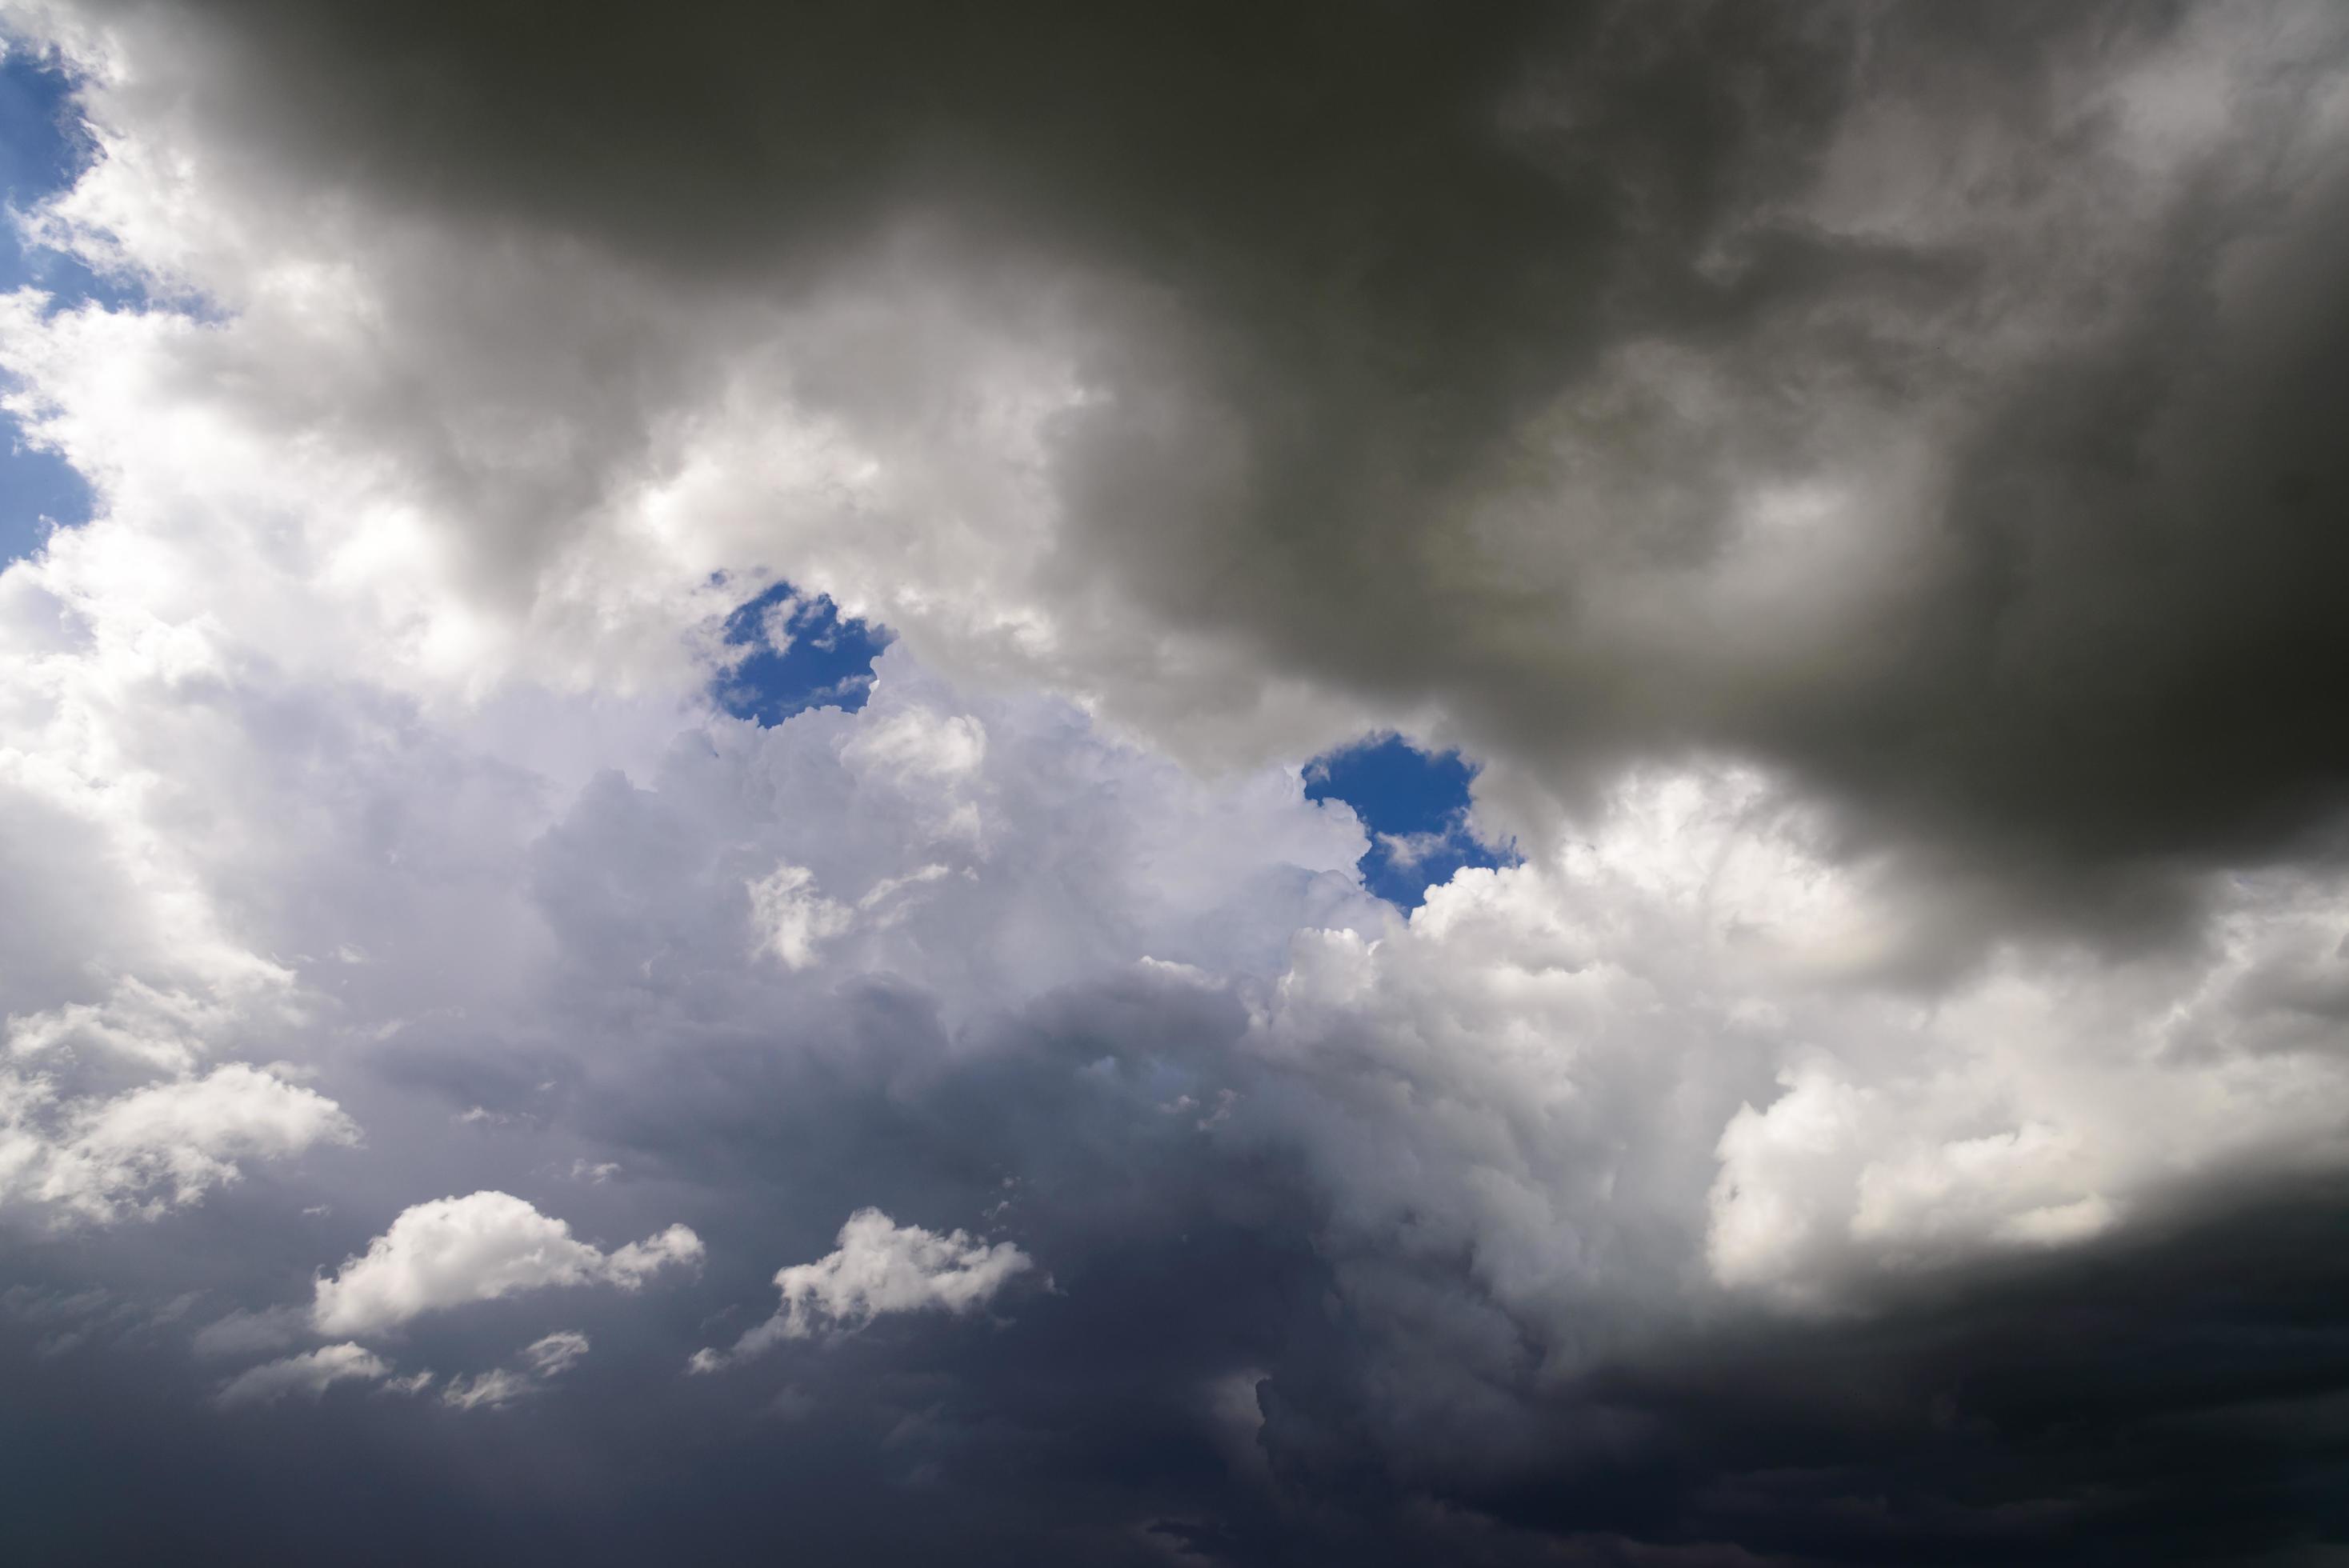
{"x":1856,"y":489}
{"x":879,"y":1267}
{"x":458,"y":1249}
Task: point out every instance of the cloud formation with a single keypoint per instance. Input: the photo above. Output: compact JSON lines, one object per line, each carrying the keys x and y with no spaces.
{"x":542,"y":1361}
{"x":453,"y":1251}
{"x":311,"y":1372}
{"x":879,"y":1268}
{"x":140,"y":1153}
{"x":1855,"y":482}
{"x":1746,"y":330}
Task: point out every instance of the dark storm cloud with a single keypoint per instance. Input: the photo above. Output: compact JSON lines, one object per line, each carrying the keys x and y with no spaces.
{"x":2176,"y":1399}
{"x":1439,"y":336}
{"x":1209,"y":1372}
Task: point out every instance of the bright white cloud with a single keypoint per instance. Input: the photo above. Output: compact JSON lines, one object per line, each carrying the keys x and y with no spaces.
{"x":161,"y":1030}
{"x":156,"y":1147}
{"x":879,"y":1268}
{"x":452,"y":1251}
{"x":108,"y":1109}
{"x":792,"y":917}
{"x":311,"y":1372}
{"x":2041,"y":1103}
{"x":1691,"y":1050}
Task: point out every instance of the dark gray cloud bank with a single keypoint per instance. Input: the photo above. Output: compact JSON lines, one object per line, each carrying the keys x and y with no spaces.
{"x":1863,"y":481}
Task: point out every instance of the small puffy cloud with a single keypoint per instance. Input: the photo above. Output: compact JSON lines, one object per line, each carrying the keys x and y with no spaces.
{"x":452,"y":1251}
{"x":880,"y":1267}
{"x":310,"y":1372}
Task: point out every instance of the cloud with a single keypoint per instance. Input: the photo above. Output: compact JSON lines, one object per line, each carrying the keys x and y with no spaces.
{"x":311,"y":1372}
{"x":490,"y":1389}
{"x":1733,"y":386}
{"x":1854,"y":478}
{"x":1690,"y":1039}
{"x":879,"y":1268}
{"x":155,"y":1147}
{"x":481,"y":1247}
{"x":244,"y":1333}
{"x":791,"y":918}
{"x":556,"y":1354}
{"x":542,"y":1361}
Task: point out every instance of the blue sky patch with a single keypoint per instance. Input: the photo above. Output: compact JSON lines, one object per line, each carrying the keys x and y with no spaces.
{"x":43,"y":150}
{"x":803,"y":654}
{"x":1414,"y":805}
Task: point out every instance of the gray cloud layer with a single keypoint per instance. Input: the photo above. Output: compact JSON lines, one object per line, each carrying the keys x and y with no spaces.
{"x":1936,"y":405}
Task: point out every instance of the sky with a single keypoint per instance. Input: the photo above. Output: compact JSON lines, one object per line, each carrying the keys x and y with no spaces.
{"x":1230,"y":784}
{"x":42,"y":151}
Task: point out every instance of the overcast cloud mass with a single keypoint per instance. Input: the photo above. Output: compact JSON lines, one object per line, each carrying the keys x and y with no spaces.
{"x":519,"y":1046}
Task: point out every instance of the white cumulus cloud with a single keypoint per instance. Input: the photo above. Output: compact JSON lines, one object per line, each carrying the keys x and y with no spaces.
{"x":481,"y":1247}
{"x":880,"y":1267}
{"x":156,"y":1147}
{"x":1690,"y":1053}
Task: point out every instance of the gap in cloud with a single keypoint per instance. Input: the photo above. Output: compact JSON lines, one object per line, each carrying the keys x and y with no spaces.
{"x":803,"y":654}
{"x":1414,"y":806}
{"x":44,"y":148}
